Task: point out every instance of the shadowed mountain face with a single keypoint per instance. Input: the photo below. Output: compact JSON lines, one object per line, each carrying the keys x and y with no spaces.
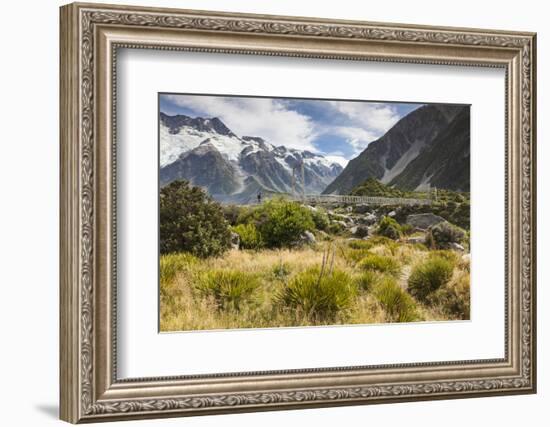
{"x":232,"y":168}
{"x":430,"y":147}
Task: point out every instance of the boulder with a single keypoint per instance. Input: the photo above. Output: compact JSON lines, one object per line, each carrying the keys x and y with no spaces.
{"x":341,"y":223}
{"x":392,"y":214}
{"x":445,"y":235}
{"x":362,"y":208}
{"x":456,"y":246}
{"x":368,"y":219}
{"x":360,"y":231}
{"x":235,"y":240}
{"x":424,"y":221}
{"x":416,"y":239}
{"x":308,"y":238}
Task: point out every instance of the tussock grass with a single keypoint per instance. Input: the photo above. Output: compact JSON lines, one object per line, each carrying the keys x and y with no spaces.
{"x":368,"y":279}
{"x":453,"y":299}
{"x":171,"y":264}
{"x":318,"y":295}
{"x":428,"y":276}
{"x":247,"y":288}
{"x":398,"y":305}
{"x":230,"y":289}
{"x":380,"y":263}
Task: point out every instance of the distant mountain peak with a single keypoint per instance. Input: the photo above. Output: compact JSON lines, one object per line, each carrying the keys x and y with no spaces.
{"x":231,"y":168}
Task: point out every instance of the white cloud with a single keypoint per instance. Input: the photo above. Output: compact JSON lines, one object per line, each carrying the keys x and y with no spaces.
{"x":357,"y":137}
{"x":267,"y":118}
{"x":341,"y":160}
{"x":374,"y":117}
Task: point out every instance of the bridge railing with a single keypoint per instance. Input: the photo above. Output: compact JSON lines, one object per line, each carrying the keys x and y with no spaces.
{"x":368,"y":200}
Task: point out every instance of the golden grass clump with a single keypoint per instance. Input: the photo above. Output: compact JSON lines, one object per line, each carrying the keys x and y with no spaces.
{"x":380,"y":263}
{"x":319,"y":295}
{"x":398,"y":305}
{"x":338,"y":282}
{"x":230,"y":289}
{"x":428,"y":276}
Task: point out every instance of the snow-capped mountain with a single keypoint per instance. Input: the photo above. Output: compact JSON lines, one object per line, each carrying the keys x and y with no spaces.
{"x":232,"y":168}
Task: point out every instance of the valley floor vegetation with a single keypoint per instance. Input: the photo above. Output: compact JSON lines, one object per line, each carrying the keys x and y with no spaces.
{"x":281,"y":263}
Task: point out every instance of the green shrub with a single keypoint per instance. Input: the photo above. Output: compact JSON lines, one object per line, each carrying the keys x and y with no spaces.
{"x":372,"y":187}
{"x":335,"y":228}
{"x":441,"y":235}
{"x":389,"y":227}
{"x":191,"y":222}
{"x":398,"y":305}
{"x":368,"y":279}
{"x":319,"y":296}
{"x":454,"y":298}
{"x":380,"y":263}
{"x":249,"y":236}
{"x":230,"y":289}
{"x":281,"y":222}
{"x":429,"y":276}
{"x":233,"y":213}
{"x":320,"y":219}
{"x":171,"y":264}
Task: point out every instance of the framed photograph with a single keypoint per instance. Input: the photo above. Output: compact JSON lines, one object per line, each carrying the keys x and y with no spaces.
{"x":265,"y":213}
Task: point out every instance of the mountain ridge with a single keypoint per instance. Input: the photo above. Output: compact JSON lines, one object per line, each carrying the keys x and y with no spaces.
{"x":232,"y":168}
{"x":429,"y":147}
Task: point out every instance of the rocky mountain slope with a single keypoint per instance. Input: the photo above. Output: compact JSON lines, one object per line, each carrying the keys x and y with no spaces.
{"x":232,"y":168}
{"x":429,"y":147}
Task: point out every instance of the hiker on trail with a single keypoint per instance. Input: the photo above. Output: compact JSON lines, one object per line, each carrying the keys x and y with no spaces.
{"x":259,"y":197}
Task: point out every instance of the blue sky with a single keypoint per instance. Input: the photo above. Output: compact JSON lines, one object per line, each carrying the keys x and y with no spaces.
{"x":339,"y":130}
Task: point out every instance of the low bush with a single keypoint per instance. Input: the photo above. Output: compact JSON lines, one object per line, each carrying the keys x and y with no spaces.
{"x":191,"y":222}
{"x":335,"y":228}
{"x":249,"y":236}
{"x":398,"y":305}
{"x":320,"y":219}
{"x":319,"y":296}
{"x":281,"y":222}
{"x":454,"y":298}
{"x":230,"y":289}
{"x":380,"y":263}
{"x":440,"y":236}
{"x":428,"y":276}
{"x":389,"y":227}
{"x":234,"y":213}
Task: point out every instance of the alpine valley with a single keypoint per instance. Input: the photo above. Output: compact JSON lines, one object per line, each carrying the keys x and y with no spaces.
{"x":428,"y":148}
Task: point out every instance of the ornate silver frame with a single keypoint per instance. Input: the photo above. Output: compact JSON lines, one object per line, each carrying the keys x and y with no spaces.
{"x":90,"y":36}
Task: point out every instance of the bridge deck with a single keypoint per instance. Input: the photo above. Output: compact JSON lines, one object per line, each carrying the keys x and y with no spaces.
{"x":358,"y":200}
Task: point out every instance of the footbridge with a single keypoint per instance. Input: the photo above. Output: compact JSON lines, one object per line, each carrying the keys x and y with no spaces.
{"x":316,"y":199}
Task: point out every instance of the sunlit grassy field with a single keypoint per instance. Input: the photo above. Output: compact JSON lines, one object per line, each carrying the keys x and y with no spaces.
{"x":341,"y":281}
